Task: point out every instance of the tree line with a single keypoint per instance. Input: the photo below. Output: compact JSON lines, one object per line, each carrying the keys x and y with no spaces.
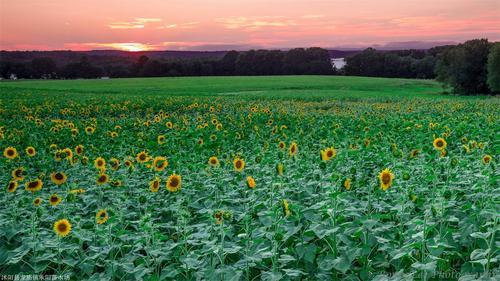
{"x":299,"y":61}
{"x":470,"y":68}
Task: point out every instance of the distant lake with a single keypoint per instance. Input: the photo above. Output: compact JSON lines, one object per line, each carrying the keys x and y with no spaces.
{"x":338,"y":62}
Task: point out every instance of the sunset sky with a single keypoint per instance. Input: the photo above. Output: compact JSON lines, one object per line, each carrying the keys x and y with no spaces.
{"x":240,"y":24}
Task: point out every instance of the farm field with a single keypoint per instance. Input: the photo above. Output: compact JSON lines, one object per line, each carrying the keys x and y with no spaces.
{"x":248,"y":178}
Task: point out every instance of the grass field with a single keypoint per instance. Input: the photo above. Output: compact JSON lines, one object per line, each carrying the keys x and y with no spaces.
{"x":248,"y":178}
{"x":261,"y":87}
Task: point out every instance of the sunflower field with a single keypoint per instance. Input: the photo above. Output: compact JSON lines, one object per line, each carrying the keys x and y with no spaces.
{"x":159,"y":187}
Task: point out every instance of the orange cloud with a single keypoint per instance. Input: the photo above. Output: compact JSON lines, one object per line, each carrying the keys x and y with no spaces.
{"x":253,"y":23}
{"x":135,"y":24}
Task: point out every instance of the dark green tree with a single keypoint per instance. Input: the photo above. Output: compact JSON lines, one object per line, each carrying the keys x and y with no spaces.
{"x":494,"y":68}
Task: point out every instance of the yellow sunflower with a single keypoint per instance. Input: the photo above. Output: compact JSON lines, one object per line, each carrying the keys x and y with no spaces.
{"x":174,"y":183}
{"x":79,"y":149}
{"x":54,"y":199}
{"x":116,"y":183}
{"x":292,"y":150}
{"x":101,"y":216}
{"x":154,"y":185}
{"x":385,"y":177}
{"x":286,"y":208}
{"x":328,"y":153}
{"x":67,"y":153}
{"x":18,"y":174}
{"x":33,"y":186}
{"x":58,"y":178}
{"x":161,"y":139}
{"x":169,"y":125}
{"x":281,"y":145}
{"x":62,"y":227}
{"x":439,"y":144}
{"x":414,"y":153}
{"x":89,"y":130}
{"x":102,"y":179}
{"x":12,"y":186}
{"x":160,"y":163}
{"x":37,"y":201}
{"x":239,"y":164}
{"x":10,"y":152}
{"x":251,"y":182}
{"x":213,"y":161}
{"x":280,"y":169}
{"x":30,"y":151}
{"x":142,"y":157}
{"x":487,"y":159}
{"x":347,"y":184}
{"x":100,"y":163}
{"x":115,"y":163}
{"x":200,"y":141}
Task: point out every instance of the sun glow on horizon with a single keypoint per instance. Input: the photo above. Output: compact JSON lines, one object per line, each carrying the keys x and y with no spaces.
{"x":130,"y":47}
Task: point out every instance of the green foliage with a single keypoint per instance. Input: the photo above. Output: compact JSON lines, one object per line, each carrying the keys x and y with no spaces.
{"x":463,"y":67}
{"x":439,"y":218}
{"x":494,"y":68}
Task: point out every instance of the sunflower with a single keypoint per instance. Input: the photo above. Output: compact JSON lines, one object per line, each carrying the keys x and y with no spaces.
{"x":33,"y":186}
{"x":218,"y":126}
{"x":89,"y":130}
{"x":154,"y":185}
{"x":161,"y":139}
{"x":219,"y":216}
{"x":68,"y":153}
{"x":74,"y":132}
{"x":251,"y":182}
{"x":239,"y":164}
{"x":160,"y":163}
{"x":439,"y":144}
{"x":30,"y":151}
{"x":113,"y":134}
{"x":77,"y":191}
{"x":37,"y":201}
{"x":213,"y":161}
{"x":18,"y":174}
{"x":328,"y":153}
{"x":174,"y":183}
{"x":414,"y":153}
{"x":279,"y":169}
{"x":10,"y":152}
{"x":169,"y":125}
{"x":292,"y":150}
{"x":487,"y":159}
{"x":128,"y":164}
{"x":281,"y":145}
{"x":286,"y":208}
{"x":79,"y":149}
{"x":62,"y":227}
{"x":142,"y":157}
{"x":200,"y":141}
{"x":347,"y":184}
{"x":101,"y":216}
{"x":115,"y":163}
{"x":115,"y":183}
{"x":102,"y":179}
{"x":12,"y":186}
{"x":100,"y":163}
{"x":385,"y":177}
{"x":54,"y":199}
{"x":58,"y":178}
